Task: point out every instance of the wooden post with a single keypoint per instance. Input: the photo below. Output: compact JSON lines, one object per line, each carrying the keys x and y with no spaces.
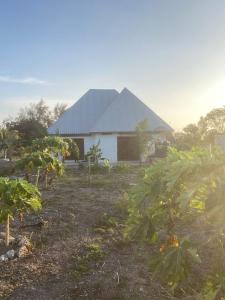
{"x":7,"y":231}
{"x":89,"y":170}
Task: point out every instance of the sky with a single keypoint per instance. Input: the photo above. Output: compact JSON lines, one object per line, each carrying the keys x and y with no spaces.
{"x":169,"y":53}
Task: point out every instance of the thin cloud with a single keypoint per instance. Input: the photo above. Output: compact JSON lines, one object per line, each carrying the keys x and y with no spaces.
{"x":24,"y":80}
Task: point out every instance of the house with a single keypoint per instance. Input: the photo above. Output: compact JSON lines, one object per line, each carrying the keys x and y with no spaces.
{"x":110,"y":117}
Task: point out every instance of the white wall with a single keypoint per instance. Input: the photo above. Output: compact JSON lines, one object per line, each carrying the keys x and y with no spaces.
{"x":108,"y":145}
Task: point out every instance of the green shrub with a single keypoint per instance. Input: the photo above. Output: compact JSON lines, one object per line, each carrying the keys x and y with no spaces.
{"x":176,"y":193}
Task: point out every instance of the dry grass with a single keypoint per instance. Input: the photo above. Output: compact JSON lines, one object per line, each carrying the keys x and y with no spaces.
{"x":80,"y":254}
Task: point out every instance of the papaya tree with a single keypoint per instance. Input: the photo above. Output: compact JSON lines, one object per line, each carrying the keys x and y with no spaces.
{"x":51,"y":144}
{"x":179,"y":206}
{"x":16,"y":196}
{"x":40,"y":164}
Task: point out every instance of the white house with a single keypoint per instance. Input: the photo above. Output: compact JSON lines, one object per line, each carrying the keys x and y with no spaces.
{"x":111,"y":117}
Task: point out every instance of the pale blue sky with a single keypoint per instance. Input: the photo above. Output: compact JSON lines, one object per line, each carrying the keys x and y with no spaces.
{"x":170,"y":53}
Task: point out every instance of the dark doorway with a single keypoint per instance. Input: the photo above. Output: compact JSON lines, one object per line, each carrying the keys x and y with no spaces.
{"x":127,"y":148}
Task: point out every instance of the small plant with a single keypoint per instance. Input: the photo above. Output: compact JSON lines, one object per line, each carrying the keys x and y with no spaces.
{"x":91,"y":253}
{"x":95,"y":153}
{"x":107,"y":166}
{"x":16,"y":196}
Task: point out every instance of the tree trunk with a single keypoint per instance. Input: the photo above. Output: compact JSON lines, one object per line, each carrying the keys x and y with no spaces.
{"x":7,"y":231}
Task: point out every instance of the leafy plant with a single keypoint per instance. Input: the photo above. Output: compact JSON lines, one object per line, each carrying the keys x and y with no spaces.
{"x":143,"y":137}
{"x":41,"y":163}
{"x":8,"y":141}
{"x":16,"y":196}
{"x":175,"y":193}
{"x":55,"y":145}
{"x":95,"y":153}
{"x":73,"y":148}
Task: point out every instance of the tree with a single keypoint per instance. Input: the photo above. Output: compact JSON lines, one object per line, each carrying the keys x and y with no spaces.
{"x":143,"y":137}
{"x":59,"y":110}
{"x":27,"y":130}
{"x":32,"y":121}
{"x":8,"y":141}
{"x":16,"y":196}
{"x":191,"y":136}
{"x":42,"y":164}
{"x":39,"y":112}
{"x":203,"y":133}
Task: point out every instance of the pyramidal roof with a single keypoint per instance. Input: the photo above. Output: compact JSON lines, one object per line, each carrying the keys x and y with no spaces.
{"x":102,"y":111}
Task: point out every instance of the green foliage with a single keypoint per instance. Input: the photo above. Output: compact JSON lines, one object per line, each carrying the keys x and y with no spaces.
{"x":91,"y":253}
{"x":203,"y":133}
{"x":95,"y":153}
{"x":40,"y":162}
{"x":8,"y":141}
{"x":17,"y":196}
{"x":51,"y":144}
{"x":73,"y":149}
{"x":143,"y":135}
{"x":28,"y":130}
{"x":175,"y":193}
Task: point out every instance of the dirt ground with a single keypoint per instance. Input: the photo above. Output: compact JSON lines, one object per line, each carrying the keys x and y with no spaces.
{"x":79,"y":252}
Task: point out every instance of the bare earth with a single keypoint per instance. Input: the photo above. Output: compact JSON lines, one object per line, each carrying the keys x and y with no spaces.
{"x":80,"y":253}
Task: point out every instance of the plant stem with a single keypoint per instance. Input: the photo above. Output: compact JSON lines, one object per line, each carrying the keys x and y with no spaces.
{"x":37,"y":178}
{"x":7,"y":231}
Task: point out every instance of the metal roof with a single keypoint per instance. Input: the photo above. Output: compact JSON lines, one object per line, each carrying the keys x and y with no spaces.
{"x":107,"y":111}
{"x":83,"y":114}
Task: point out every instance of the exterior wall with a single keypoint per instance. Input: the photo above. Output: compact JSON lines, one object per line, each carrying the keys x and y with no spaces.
{"x":108,"y":145}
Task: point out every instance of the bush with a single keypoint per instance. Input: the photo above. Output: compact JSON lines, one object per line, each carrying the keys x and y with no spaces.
{"x":179,"y":206}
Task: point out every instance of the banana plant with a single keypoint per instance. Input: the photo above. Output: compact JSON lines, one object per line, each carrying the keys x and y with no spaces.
{"x":41,"y":163}
{"x":16,"y":196}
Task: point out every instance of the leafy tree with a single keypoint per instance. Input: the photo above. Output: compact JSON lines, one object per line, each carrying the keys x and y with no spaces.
{"x":191,"y":136}
{"x":41,"y":163}
{"x":8,"y":141}
{"x":59,"y":110}
{"x":143,"y":136}
{"x":175,"y":193}
{"x":32,"y":121}
{"x":203,"y":133}
{"x":27,"y":130}
{"x":16,"y":196}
